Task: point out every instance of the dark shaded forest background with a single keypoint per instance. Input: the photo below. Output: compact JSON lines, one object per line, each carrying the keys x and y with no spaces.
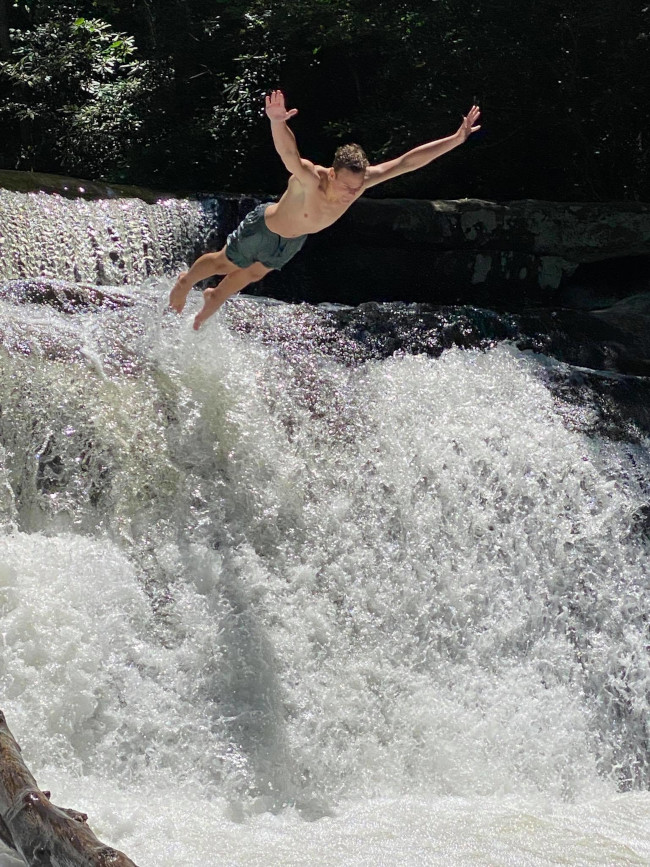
{"x":169,"y":93}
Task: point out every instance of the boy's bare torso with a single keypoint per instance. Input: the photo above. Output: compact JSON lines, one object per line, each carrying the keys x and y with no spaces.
{"x":303,"y":209}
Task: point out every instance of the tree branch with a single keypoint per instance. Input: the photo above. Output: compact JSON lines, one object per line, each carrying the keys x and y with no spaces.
{"x":43,"y":834}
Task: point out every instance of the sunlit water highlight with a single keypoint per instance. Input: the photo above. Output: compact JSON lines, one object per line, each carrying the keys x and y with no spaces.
{"x":262,"y":606}
{"x":108,"y":241}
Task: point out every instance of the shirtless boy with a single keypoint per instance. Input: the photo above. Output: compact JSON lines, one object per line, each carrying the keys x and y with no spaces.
{"x":315,"y":197}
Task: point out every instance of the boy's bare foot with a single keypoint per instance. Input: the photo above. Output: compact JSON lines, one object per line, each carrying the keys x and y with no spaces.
{"x":179,"y":293}
{"x":213,"y":298}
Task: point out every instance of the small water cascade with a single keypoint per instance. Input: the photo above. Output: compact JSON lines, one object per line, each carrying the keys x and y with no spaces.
{"x":105,"y":241}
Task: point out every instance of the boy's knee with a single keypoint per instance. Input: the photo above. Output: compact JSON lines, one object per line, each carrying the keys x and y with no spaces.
{"x":216,"y":258}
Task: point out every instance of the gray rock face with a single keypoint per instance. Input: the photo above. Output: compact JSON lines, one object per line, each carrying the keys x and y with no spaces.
{"x":568,"y":269}
{"x":574,"y":232}
{"x":510,"y":255}
{"x":632,"y":317}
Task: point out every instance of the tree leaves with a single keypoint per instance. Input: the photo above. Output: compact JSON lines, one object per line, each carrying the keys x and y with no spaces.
{"x":75,"y":90}
{"x":170,"y":92}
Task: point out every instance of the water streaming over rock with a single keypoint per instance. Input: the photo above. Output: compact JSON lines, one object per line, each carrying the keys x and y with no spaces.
{"x":107,"y":241}
{"x":288,"y":570}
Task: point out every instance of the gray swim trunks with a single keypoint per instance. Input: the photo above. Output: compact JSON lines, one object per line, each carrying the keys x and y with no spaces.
{"x":252,"y":241}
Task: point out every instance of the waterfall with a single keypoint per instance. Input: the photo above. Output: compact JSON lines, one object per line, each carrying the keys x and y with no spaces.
{"x":107,"y":241}
{"x":280,"y":592}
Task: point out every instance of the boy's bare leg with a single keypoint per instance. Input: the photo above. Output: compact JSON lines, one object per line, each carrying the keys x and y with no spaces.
{"x":237,"y":280}
{"x":205,"y":266}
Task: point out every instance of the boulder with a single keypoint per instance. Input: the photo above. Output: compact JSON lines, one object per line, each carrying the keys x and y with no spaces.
{"x":62,"y":296}
{"x":576,"y":232}
{"x":505,"y":256}
{"x":631,"y":317}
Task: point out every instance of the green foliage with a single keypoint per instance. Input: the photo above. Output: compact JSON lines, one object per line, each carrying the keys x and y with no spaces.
{"x":179,"y":101}
{"x":236,"y":118}
{"x":76,"y":87}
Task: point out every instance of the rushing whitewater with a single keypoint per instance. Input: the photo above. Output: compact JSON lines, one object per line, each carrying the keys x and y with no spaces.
{"x":265,"y":600}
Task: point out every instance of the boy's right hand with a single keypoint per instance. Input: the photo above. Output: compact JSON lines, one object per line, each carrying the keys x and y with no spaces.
{"x":275,"y":108}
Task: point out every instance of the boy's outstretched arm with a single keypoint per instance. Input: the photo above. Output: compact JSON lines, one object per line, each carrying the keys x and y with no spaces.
{"x":424,"y":154}
{"x":285,"y":141}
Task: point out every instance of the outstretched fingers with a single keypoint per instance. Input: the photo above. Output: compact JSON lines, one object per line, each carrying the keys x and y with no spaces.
{"x":276,"y":107}
{"x":469,"y":122}
{"x":275,"y":98}
{"x":472,"y":116}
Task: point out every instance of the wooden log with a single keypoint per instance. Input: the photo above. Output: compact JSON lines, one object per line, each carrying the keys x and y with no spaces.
{"x":43,"y":834}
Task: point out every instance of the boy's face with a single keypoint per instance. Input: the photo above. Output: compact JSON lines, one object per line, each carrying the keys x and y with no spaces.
{"x":346,"y":184}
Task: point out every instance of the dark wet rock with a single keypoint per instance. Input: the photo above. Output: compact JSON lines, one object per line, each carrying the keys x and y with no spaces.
{"x":583,"y":339}
{"x":506,"y":256}
{"x":611,"y":405}
{"x":600,"y":284}
{"x":378,"y":330}
{"x":600,"y":386}
{"x":576,"y":232}
{"x":641,"y":522}
{"x":631,"y":317}
{"x":604,"y":386}
{"x":353,"y":274}
{"x":375,"y":331}
{"x":381,"y":330}
{"x":62,"y":296}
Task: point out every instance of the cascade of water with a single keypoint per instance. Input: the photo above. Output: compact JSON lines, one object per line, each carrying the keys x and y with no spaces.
{"x":108,"y":241}
{"x":264,"y":570}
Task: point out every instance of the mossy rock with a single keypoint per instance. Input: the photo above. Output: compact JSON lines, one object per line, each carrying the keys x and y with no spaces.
{"x":74,"y":188}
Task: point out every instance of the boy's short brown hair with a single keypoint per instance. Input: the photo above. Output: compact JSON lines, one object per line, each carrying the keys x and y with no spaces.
{"x":351,"y":157}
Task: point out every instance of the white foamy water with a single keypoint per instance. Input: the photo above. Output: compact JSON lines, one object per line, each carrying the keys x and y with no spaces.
{"x":108,"y":241}
{"x":259,"y":607}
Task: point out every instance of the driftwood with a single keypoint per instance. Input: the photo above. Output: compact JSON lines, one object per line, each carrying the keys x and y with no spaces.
{"x":43,"y":834}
